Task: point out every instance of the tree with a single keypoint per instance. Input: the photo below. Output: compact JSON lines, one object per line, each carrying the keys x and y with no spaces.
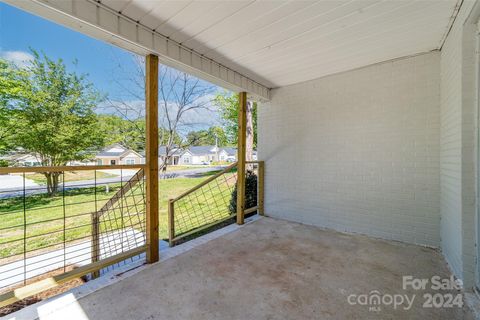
{"x":10,"y":91}
{"x":198,"y":138}
{"x":130,"y":134}
{"x":179,"y":95}
{"x":217,"y":136}
{"x":54,"y":116}
{"x":214,"y":135}
{"x":227,"y":104}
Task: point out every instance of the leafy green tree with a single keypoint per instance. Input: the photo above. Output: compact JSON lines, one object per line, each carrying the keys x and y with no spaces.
{"x":197,"y":138}
{"x":54,"y":116}
{"x":227,"y":104}
{"x":129,"y":133}
{"x":207,"y":137}
{"x":165,"y":136}
{"x":11,"y":89}
{"x":217,"y":134}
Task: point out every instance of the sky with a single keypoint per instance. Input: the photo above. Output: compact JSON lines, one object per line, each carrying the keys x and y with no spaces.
{"x":100,"y":61}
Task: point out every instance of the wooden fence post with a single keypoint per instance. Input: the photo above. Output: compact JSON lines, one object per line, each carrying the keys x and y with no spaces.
{"x":95,"y":242}
{"x":151,"y":157}
{"x":241,"y":154}
{"x":171,"y":221}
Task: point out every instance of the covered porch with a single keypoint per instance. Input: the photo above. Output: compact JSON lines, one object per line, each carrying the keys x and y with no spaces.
{"x":268,"y":269}
{"x":368,"y":161}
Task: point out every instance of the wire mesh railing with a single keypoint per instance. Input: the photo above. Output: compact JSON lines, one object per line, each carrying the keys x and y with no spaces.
{"x":214,"y":201}
{"x":93,"y":214}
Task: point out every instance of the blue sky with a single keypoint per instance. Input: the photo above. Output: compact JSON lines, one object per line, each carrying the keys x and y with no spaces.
{"x":20,"y":31}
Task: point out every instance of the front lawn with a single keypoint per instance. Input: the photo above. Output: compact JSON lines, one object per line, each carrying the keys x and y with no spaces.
{"x":71,"y":176}
{"x":48,"y":217}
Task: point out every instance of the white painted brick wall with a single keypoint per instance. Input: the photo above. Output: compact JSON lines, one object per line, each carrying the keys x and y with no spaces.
{"x":469,"y":114}
{"x":451,"y":151}
{"x":358,"y":151}
{"x":457,"y":155}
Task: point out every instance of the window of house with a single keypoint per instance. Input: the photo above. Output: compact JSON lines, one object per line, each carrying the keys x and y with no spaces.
{"x":186,"y":160}
{"x":130,"y":161}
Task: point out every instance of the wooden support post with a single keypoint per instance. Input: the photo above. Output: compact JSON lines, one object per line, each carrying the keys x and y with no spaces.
{"x":261,"y":187}
{"x":151,"y":156}
{"x":171,"y":222}
{"x":95,"y":242}
{"x":241,"y":161}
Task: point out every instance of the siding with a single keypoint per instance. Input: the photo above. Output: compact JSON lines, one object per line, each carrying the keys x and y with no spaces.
{"x":358,"y":151}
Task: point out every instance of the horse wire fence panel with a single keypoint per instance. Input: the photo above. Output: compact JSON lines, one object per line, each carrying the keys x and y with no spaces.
{"x":215,"y":201}
{"x":206,"y":205}
{"x":91,"y":216}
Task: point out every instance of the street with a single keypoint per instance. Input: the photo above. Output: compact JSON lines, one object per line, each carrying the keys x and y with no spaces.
{"x":30,"y":189}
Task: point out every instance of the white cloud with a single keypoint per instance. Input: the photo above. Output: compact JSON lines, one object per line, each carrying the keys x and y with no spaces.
{"x":19,"y":58}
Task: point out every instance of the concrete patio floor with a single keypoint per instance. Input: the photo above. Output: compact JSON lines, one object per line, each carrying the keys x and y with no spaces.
{"x":274,"y":269}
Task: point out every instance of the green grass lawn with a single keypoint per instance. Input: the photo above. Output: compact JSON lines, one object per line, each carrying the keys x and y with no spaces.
{"x":180,"y":168}
{"x":48,"y":217}
{"x":70,"y":176}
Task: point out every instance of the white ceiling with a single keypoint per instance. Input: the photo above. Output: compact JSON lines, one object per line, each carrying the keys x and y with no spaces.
{"x":278,"y":42}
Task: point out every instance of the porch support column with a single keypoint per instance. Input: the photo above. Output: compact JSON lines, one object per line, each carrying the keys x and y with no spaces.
{"x":241,"y":154}
{"x":151,"y":156}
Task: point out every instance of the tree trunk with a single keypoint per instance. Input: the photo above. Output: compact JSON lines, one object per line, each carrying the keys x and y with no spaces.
{"x":249,"y":140}
{"x":52,"y":182}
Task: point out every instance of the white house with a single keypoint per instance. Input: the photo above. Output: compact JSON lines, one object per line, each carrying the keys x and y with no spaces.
{"x":206,"y":154}
{"x":173,"y":157}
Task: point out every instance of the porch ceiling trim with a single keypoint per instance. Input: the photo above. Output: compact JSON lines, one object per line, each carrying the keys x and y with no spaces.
{"x":98,"y":21}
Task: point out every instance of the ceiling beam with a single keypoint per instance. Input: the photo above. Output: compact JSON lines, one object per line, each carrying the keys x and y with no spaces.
{"x":96,"y":20}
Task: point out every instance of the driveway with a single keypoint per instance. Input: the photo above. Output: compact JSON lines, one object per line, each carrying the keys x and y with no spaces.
{"x":15,"y":181}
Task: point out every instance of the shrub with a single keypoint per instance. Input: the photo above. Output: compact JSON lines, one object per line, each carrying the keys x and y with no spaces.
{"x":250,"y":192}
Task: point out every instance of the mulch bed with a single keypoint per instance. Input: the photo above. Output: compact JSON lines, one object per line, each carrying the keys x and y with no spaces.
{"x":45,"y":294}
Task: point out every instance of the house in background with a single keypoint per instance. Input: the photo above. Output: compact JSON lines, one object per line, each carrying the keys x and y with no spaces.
{"x":231,"y":154}
{"x":22,"y":159}
{"x":195,"y":155}
{"x":201,"y":155}
{"x":174,"y":155}
{"x":117,"y":154}
{"x":207,"y":154}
